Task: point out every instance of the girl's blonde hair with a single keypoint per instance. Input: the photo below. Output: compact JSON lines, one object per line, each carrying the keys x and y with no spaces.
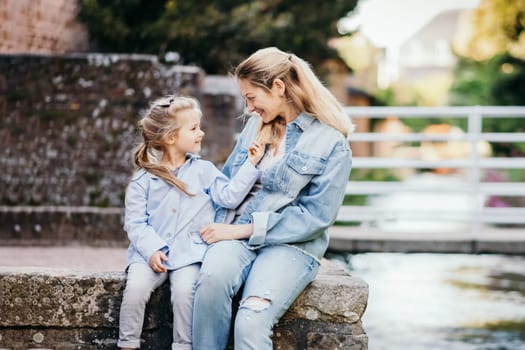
{"x":303,"y":89}
{"x":160,"y":121}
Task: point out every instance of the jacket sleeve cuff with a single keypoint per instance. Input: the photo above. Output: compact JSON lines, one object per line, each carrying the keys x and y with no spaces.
{"x":154,"y":247}
{"x":260,"y":221}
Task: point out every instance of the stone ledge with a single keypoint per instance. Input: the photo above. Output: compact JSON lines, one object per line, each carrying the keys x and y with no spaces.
{"x":64,"y":309}
{"x":62,"y":225}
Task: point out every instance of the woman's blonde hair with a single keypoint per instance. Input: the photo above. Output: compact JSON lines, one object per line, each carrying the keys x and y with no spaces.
{"x":160,"y":121}
{"x":303,"y":89}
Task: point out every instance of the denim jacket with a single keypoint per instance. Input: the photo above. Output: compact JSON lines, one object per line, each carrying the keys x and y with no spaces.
{"x":160,"y":217}
{"x":301,"y":193}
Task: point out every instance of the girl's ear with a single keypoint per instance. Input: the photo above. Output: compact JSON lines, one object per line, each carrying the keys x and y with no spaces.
{"x":170,"y":139}
{"x":279,"y":87}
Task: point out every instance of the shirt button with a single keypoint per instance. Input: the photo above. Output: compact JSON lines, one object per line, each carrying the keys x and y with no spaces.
{"x":304,"y":168}
{"x":173,"y":210}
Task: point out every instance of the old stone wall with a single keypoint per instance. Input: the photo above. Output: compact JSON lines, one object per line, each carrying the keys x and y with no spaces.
{"x":62,"y":226}
{"x":68,"y":123}
{"x":66,"y":310}
{"x":41,"y":26}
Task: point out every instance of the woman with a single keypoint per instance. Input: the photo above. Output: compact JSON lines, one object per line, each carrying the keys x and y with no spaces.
{"x":278,"y":236}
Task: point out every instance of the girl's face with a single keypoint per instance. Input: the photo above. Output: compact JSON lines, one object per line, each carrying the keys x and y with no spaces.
{"x":268,"y":104}
{"x":189,"y":136}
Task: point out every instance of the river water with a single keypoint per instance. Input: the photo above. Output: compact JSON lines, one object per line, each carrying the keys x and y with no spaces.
{"x":442,"y":301}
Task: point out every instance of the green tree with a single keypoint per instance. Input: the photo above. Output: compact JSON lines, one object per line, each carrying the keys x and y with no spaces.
{"x":491,"y":65}
{"x":498,"y":81}
{"x":496,"y":26}
{"x":214,"y":34}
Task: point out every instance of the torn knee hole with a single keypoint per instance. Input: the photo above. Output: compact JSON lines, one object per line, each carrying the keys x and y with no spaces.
{"x":256,"y":303}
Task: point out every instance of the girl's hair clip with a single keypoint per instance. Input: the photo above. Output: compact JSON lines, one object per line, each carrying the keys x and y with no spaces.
{"x":166,"y":104}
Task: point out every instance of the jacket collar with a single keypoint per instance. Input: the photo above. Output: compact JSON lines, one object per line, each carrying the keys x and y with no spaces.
{"x":303,"y":121}
{"x":190,"y":157}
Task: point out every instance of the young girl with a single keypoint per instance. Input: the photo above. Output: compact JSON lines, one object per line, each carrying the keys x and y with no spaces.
{"x":169,"y":199}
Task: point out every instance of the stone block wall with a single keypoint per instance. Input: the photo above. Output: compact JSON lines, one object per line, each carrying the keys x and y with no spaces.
{"x":68,"y":123}
{"x":40,"y":226}
{"x":66,"y":310}
{"x":41,"y":26}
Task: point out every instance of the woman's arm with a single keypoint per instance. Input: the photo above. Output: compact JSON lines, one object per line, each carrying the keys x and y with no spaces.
{"x":301,"y":221}
{"x":313,"y":211}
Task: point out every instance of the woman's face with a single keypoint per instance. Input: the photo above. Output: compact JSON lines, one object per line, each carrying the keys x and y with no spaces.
{"x":268,"y":104}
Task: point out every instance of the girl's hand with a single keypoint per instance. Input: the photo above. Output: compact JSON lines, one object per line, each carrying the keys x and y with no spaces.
{"x":222,"y":232}
{"x":255,"y":152}
{"x":156,"y":260}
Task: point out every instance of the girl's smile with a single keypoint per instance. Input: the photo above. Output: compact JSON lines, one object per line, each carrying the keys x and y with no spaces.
{"x":186,"y":139}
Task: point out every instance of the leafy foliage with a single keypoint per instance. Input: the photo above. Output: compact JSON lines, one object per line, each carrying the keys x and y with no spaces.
{"x":491,"y":67}
{"x":498,"y":81}
{"x":214,"y":34}
{"x":498,"y":27}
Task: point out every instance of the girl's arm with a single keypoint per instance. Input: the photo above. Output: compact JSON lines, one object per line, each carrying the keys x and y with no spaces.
{"x":240,"y":150}
{"x":229,"y":193}
{"x":229,"y":190}
{"x":141,"y":235}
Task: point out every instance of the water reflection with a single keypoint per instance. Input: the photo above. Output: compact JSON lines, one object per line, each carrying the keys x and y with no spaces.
{"x":442,"y":301}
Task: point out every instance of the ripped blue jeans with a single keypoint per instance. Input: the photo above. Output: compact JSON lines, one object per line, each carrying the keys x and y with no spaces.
{"x":273,"y":277}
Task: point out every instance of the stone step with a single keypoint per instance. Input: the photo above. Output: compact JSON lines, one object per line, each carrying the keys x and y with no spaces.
{"x":67,"y":309}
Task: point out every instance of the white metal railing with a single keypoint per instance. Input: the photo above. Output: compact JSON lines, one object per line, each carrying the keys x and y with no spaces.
{"x":472,"y":188}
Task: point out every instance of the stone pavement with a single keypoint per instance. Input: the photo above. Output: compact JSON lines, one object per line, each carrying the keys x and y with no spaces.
{"x":342,"y":239}
{"x":71,"y":257}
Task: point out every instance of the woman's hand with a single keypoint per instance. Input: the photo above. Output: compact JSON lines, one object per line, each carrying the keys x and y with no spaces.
{"x":255,"y":152}
{"x":156,"y":260}
{"x":222,"y":232}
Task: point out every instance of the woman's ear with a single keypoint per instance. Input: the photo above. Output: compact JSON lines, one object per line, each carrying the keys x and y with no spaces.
{"x":279,"y":87}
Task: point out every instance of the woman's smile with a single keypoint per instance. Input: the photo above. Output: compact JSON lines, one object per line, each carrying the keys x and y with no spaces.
{"x":258,"y":111}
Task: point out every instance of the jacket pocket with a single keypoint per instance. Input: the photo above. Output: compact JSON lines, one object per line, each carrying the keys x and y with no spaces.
{"x":297,"y":172}
{"x":304,"y":164}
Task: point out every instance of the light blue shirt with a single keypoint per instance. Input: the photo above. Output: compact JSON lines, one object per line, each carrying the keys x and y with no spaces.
{"x":158,"y":216}
{"x":302,"y":192}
